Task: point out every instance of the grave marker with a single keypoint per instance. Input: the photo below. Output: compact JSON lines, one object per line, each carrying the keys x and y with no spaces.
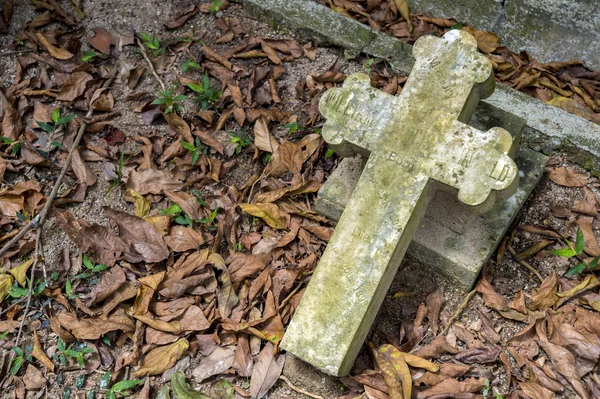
{"x":410,"y":139}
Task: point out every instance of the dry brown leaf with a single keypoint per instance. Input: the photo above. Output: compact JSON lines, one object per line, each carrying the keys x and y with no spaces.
{"x":591,"y":244}
{"x":243,"y":363}
{"x":217,"y":362}
{"x":33,"y":378}
{"x":152,"y":181}
{"x":266,"y":371}
{"x":536,"y":391}
{"x":94,"y":328}
{"x":56,"y":52}
{"x":404,"y":10}
{"x":270,"y":213}
{"x":263,"y":139}
{"x":102,"y":40}
{"x":434,"y":301}
{"x":183,"y":239}
{"x":568,"y":177}
{"x":39,"y":354}
{"x":109,"y":283}
{"x":545,"y":297}
{"x":453,"y":388}
{"x":491,"y":298}
{"x":74,"y":86}
{"x":160,"y":359}
{"x":81,"y":169}
{"x":182,"y":18}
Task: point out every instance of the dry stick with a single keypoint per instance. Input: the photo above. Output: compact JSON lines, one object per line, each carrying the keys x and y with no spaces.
{"x":40,"y":219}
{"x":150,"y":65}
{"x":299,"y":390}
{"x":16,"y":52}
{"x":460,"y":309}
{"x":523,"y":263}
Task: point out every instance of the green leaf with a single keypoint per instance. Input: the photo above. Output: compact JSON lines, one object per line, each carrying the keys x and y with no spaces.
{"x":16,"y":365}
{"x":577,"y":269}
{"x":91,"y":394}
{"x":110,"y":394}
{"x":564,"y":252}
{"x":87,"y":262}
{"x":579,"y":241}
{"x":67,"y":393}
{"x":61,"y":345}
{"x":103,"y":384}
{"x":68,"y":287}
{"x":195,"y":87}
{"x":329,"y":153}
{"x":66,"y":119}
{"x":88,"y":56}
{"x":99,"y":267}
{"x":187,"y":146}
{"x":125,"y":385}
{"x":195,"y":156}
{"x":18,"y":351}
{"x":183,"y":390}
{"x":46,"y":127}
{"x":160,"y":100}
{"x":224,"y":390}
{"x":39,"y":288}
{"x":80,"y":381}
{"x":145,"y":36}
{"x":172,"y":210}
{"x":56,"y":115}
{"x":56,"y":144}
{"x":180,"y":98}
{"x":163,"y":393}
{"x":190,"y":64}
{"x":6,"y":140}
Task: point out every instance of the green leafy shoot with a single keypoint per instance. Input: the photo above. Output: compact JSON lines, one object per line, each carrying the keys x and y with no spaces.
{"x":171,"y":100}
{"x":184,"y":220}
{"x":89,"y":55}
{"x":90,"y":267}
{"x":172,"y":210}
{"x":198,"y":195}
{"x":329,"y":153}
{"x":17,"y":361}
{"x":187,"y":64}
{"x":210,"y":221}
{"x":571,"y":251}
{"x":57,"y":120}
{"x":152,"y":43}
{"x":196,"y":150}
{"x":293,"y":127}
{"x":241,"y":139}
{"x":368,"y":65}
{"x":75,"y":351}
{"x":206,"y":94}
{"x":6,"y":140}
{"x":582,"y":266}
{"x":215,"y":6}
{"x":238,"y":247}
{"x":457,"y":25}
{"x":122,"y":388}
{"x":118,"y":181}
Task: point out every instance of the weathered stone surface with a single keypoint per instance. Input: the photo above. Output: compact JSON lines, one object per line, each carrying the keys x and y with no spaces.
{"x":550,"y":128}
{"x":451,"y":239}
{"x":410,"y":139}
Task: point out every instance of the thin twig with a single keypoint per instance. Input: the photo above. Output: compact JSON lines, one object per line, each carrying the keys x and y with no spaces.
{"x":299,"y":390}
{"x":12,"y":306}
{"x":150,"y":65}
{"x":525,"y":264}
{"x":16,"y":52}
{"x":460,"y":309}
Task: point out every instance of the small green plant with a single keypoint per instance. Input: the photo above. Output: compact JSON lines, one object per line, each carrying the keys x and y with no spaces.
{"x":91,"y":268}
{"x":57,"y":121}
{"x":152,"y":43}
{"x":293,"y":127}
{"x":571,"y":251}
{"x":21,"y":292}
{"x":210,"y":221}
{"x":368,"y":65}
{"x":215,"y":6}
{"x":89,"y":55}
{"x":238,"y":247}
{"x":198,"y":195}
{"x":75,"y":351}
{"x":240,"y":138}
{"x":171,"y":101}
{"x":206,"y":94}
{"x":187,"y":64}
{"x":118,"y":181}
{"x":196,"y":150}
{"x":122,"y":388}
{"x":329,"y":153}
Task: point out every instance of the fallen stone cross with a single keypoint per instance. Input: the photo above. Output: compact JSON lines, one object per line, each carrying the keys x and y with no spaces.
{"x":410,"y":140}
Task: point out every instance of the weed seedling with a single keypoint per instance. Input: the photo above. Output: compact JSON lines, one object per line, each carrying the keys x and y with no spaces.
{"x":206,"y":94}
{"x":57,"y":121}
{"x":571,"y":251}
{"x":153,"y":44}
{"x":187,"y":64}
{"x":240,"y":138}
{"x":368,"y":65}
{"x":89,"y":55}
{"x":196,"y":150}
{"x":293,"y":127}
{"x":76,"y":351}
{"x":168,"y":98}
{"x":117,"y":182}
{"x":210,"y":221}
{"x":215,"y":6}
{"x":90,"y":267}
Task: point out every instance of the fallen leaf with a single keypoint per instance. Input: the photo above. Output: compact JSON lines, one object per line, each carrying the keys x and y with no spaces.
{"x":536,"y":391}
{"x":108,"y":284}
{"x":591,"y":244}
{"x":152,"y":181}
{"x":482,"y":354}
{"x":159,"y":360}
{"x":183,"y":390}
{"x":102,"y":40}
{"x":263,"y":139}
{"x":6,"y":281}
{"x":39,"y":354}
{"x":183,"y":239}
{"x":453,"y":388}
{"x":490,"y":297}
{"x":94,"y":328}
{"x":434,"y":301}
{"x":403,"y":9}
{"x":140,"y":235}
{"x":568,"y":177}
{"x":266,"y":371}
{"x":33,"y":378}
{"x":545,"y":296}
{"x":74,"y":86}
{"x":82,"y":171}
{"x":217,"y":362}
{"x":56,"y":52}
{"x":20,"y":272}
{"x":270,"y":213}
{"x":396,"y":358}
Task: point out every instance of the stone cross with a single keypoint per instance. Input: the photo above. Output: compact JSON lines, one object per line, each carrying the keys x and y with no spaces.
{"x":410,"y":139}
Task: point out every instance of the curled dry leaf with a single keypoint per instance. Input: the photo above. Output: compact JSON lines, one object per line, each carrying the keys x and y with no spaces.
{"x":183,"y":239}
{"x":160,"y":359}
{"x":39,"y":354}
{"x":74,"y":86}
{"x":263,"y":139}
{"x":152,"y":181}
{"x":94,"y":328}
{"x":545,"y":297}
{"x":267,"y":370}
{"x":219,"y":360}
{"x":568,"y":177}
{"x":56,"y":52}
{"x":33,"y":378}
{"x":270,"y":213}
{"x":491,"y":298}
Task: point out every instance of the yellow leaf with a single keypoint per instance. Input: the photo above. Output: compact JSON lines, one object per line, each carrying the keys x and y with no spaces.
{"x":161,"y":223}
{"x":587,"y":283}
{"x":270,"y":213}
{"x":39,"y":353}
{"x":571,"y":105}
{"x":402,"y":7}
{"x":6,"y":281}
{"x":419,"y":362}
{"x":172,"y":327}
{"x":141,"y":204}
{"x":390,"y":354}
{"x":152,"y":280}
{"x":20,"y":272}
{"x":160,"y":359}
{"x":56,"y":52}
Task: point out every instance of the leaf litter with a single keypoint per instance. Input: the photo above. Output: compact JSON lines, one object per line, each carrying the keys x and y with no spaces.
{"x":210,"y":260}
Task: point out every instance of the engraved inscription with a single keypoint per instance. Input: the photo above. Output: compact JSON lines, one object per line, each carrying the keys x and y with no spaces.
{"x":347,"y":104}
{"x":500,"y":172}
{"x":401,"y":161}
